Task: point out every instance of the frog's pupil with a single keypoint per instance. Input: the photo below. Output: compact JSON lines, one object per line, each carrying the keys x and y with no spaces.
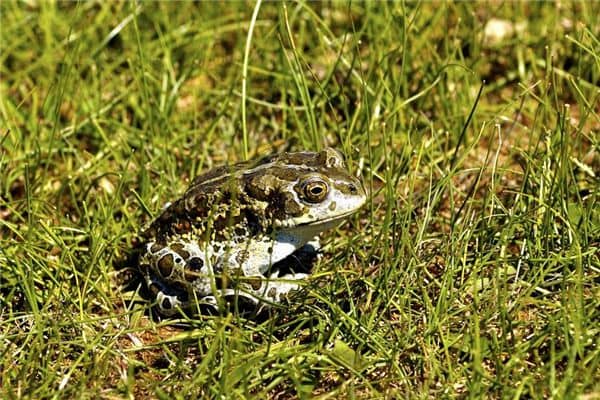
{"x":315,"y":191}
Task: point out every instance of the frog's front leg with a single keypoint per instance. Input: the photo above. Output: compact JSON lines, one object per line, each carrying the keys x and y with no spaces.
{"x":300,"y":261}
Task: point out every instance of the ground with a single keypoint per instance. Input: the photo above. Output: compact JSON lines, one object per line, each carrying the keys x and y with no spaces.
{"x":473,"y":271}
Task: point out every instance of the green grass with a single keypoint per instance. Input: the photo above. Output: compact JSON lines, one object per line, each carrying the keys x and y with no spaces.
{"x":473,"y":272}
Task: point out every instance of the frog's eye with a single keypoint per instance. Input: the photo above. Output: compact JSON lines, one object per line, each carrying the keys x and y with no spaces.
{"x":314,"y":190}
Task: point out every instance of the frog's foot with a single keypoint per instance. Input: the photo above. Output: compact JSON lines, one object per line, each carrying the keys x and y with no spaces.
{"x":170,"y":299}
{"x":259,"y":291}
{"x":314,"y":243}
{"x":239,"y":301}
{"x":277,"y":287}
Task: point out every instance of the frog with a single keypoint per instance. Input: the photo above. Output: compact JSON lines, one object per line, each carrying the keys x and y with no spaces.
{"x":246,"y":232}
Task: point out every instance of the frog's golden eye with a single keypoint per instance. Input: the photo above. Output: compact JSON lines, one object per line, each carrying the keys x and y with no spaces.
{"x":314,"y":190}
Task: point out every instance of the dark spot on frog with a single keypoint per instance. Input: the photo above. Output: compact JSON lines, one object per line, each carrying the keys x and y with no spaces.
{"x":292,"y":207}
{"x":166,"y":303}
{"x":178,"y":248}
{"x":195,"y":264}
{"x":255,"y":282}
{"x":218,"y":267}
{"x":272,"y":293}
{"x":284,"y":205}
{"x":253,"y":222}
{"x":241,"y":256}
{"x":218,"y":247}
{"x":165,"y":265}
{"x":240,"y":231}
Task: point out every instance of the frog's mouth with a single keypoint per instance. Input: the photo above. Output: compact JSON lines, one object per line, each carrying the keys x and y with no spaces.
{"x":325,"y":223}
{"x":330,"y":220}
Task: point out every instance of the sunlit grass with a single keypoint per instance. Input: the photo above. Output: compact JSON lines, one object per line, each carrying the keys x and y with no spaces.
{"x":472,"y":272}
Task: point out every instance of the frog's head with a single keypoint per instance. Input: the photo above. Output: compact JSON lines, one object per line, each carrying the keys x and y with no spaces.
{"x":305,"y":193}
